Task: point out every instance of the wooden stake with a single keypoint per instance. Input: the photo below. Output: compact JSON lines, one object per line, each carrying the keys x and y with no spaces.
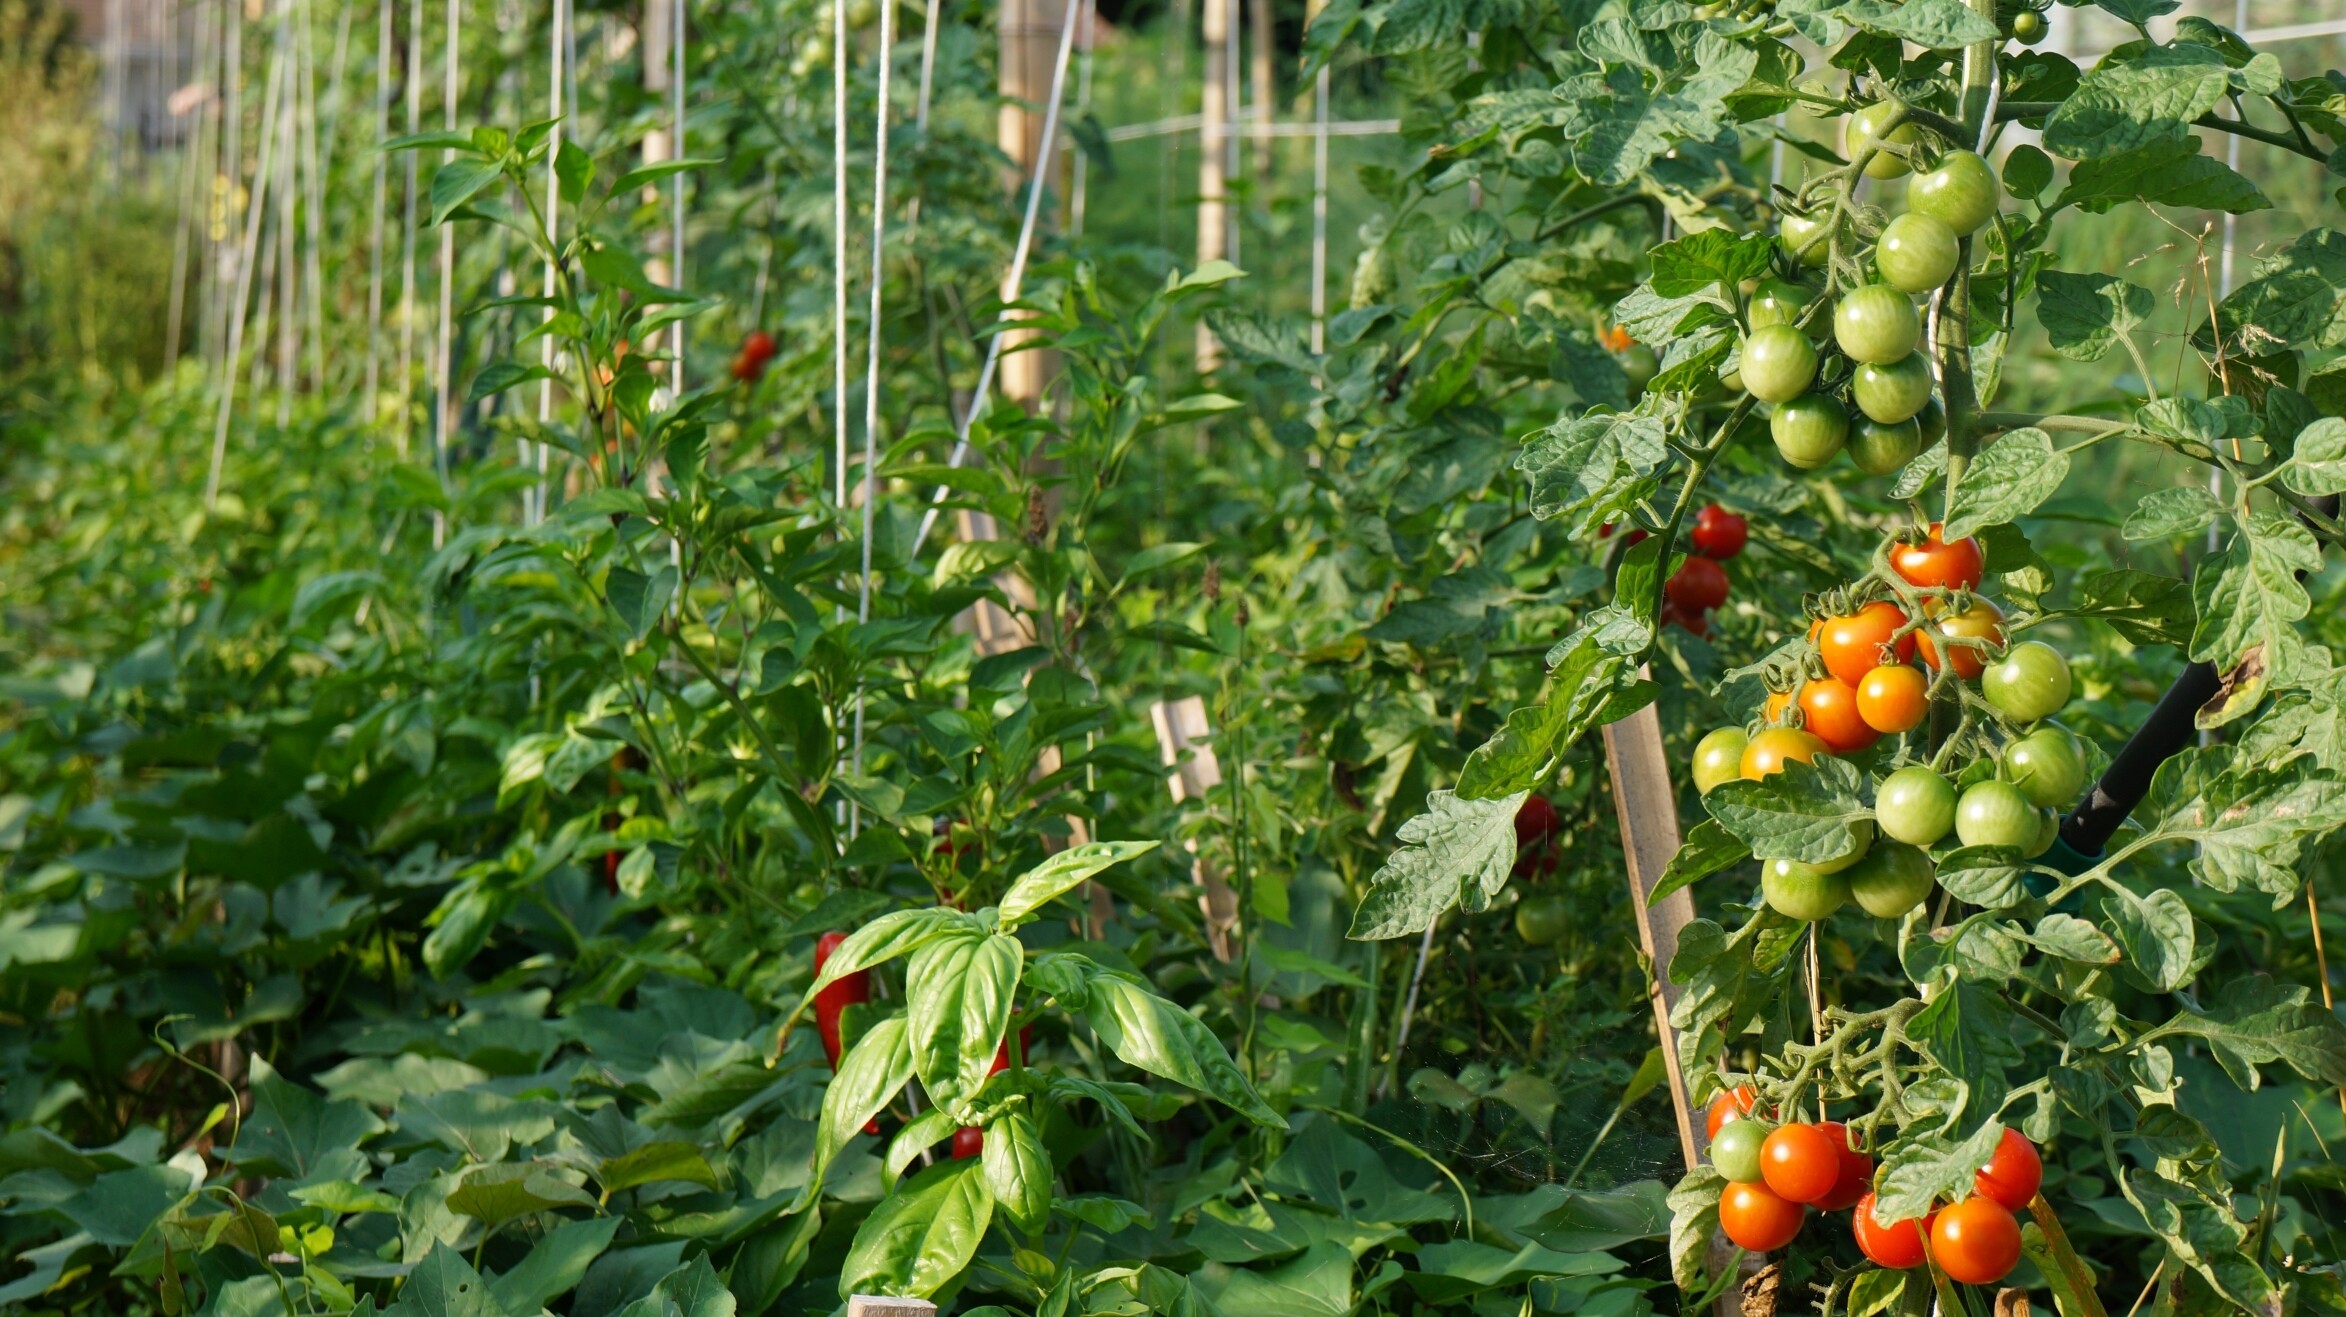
{"x":1648,"y":809}
{"x":1183,"y":733}
{"x":1259,"y":56}
{"x":865,"y":1305}
{"x":1213,"y":224}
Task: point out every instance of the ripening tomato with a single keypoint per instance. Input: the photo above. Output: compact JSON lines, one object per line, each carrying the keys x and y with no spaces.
{"x":1976,"y":1242}
{"x":1693,"y":621}
{"x":1616,"y":339}
{"x":1828,"y":708}
{"x":2047,"y":765}
{"x":1736,"y":1150}
{"x":1800,"y":1163}
{"x":1995,"y":813}
{"x":1865,"y":126}
{"x":1719,"y":533}
{"x":1718,"y":757}
{"x":1773,"y":711}
{"x":1897,"y":1247}
{"x":1876,"y":323}
{"x":1769,"y":751}
{"x":968,"y":1142}
{"x":1856,"y":1172}
{"x":1893,"y":698}
{"x":1981,"y":621}
{"x":1854,"y":645}
{"x":1934,"y":562}
{"x":1699,"y":583}
{"x":1734,"y":1104}
{"x":2013,"y":1175}
{"x":1756,"y":1220}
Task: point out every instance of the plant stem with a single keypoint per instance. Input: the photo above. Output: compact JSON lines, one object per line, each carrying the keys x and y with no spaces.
{"x":2072,"y":1268}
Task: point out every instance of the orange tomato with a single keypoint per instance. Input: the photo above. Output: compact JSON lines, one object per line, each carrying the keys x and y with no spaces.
{"x":1828,"y":706}
{"x":1981,"y":621}
{"x":1730,"y":1106}
{"x":1800,"y":1163}
{"x":1893,"y":698}
{"x":1976,"y":1242}
{"x":1855,"y":645}
{"x":1934,"y":562}
{"x":1772,"y":749}
{"x":1756,"y":1219}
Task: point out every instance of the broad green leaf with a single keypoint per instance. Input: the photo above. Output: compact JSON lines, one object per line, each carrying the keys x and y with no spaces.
{"x":2246,"y":825}
{"x":2085,"y":314}
{"x":2170,"y":172}
{"x":2249,"y":595}
{"x":1968,"y":1030}
{"x":1061,"y":873}
{"x":555,"y":1265}
{"x":1018,"y":1171}
{"x":2318,"y":466}
{"x":664,"y":1160}
{"x":1935,"y":24}
{"x":891,"y":935}
{"x":2255,"y":1021}
{"x":870,"y":1076}
{"x":922,"y":1132}
{"x":445,"y":1285}
{"x":496,"y":1194}
{"x":923,"y":1235}
{"x":2072,"y":938}
{"x":640,"y":600}
{"x":295,"y":1134}
{"x":2129,"y":103}
{"x":1875,"y":1291}
{"x":498,"y":376}
{"x":959,"y":991}
{"x":1708,"y":258}
{"x":617,"y":267}
{"x":2295,"y":299}
{"x":2145,"y":608}
{"x":1921,"y":1173}
{"x":693,"y":1290}
{"x":1708,"y":848}
{"x":1150,"y":1033}
{"x":118,"y":1207}
{"x":2206,"y":1235}
{"x":1590,"y":470}
{"x":1208,"y":274}
{"x":1694,"y":1220}
{"x":2007,"y":482}
{"x":636,"y":179}
{"x":1590,"y":684}
{"x":2168,"y":514}
{"x":1618,"y":124}
{"x":1803,"y":813}
{"x":2156,"y":934}
{"x":459,"y":181}
{"x":1456,"y":842}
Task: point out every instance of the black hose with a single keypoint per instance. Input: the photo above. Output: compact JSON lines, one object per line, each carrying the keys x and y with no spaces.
{"x":2170,"y":727}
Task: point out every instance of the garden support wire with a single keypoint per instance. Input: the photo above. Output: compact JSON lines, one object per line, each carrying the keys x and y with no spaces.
{"x":1017,"y":280}
{"x":839,"y":49}
{"x":255,"y":208}
{"x":444,"y":367}
{"x":872,"y":357}
{"x":558,"y":45}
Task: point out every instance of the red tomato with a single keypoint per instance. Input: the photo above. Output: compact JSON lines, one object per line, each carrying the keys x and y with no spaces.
{"x":1982,"y":621}
{"x":1896,"y":1247}
{"x":1934,"y":562}
{"x":1535,"y":821}
{"x":1756,"y":1219}
{"x":1730,"y":1105}
{"x":1699,"y":583}
{"x":2011,"y":1176}
{"x":1893,"y":698}
{"x":1829,"y":707}
{"x":1855,"y":645}
{"x":1719,"y":533}
{"x":968,"y":1142}
{"x":1800,"y":1163}
{"x":1976,"y":1242}
{"x":1856,"y":1171}
{"x":1695,"y":622}
{"x":759,"y":344}
{"x":1636,"y":536}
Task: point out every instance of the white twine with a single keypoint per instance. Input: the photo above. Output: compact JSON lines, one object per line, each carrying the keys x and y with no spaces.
{"x":871,"y":385}
{"x":558,"y":44}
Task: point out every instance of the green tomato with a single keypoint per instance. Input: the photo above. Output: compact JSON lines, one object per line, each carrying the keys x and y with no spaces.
{"x":1776,"y":302}
{"x":1960,"y":193}
{"x":1797,"y":891}
{"x":1718,"y":757}
{"x":1777,"y":363}
{"x":2029,"y":26}
{"x":1640,"y":364}
{"x":1996,"y":814}
{"x":1932,"y":420}
{"x":2047,"y":765}
{"x":2048,"y":831}
{"x":1915,"y":805}
{"x":1891,"y":393}
{"x":1893,"y":879}
{"x":862,"y":14}
{"x":1865,"y":127}
{"x":1805,"y":239}
{"x":1861,"y":836}
{"x":1809,"y":430}
{"x":1736,"y":1152}
{"x":1916,"y":252}
{"x":2030,"y":682}
{"x":1540,"y":920}
{"x":1879,"y":449}
{"x":1876,"y":323}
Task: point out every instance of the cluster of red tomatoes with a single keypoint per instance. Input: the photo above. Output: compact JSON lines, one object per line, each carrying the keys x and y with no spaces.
{"x":749,"y":364}
{"x":1876,"y":329}
{"x":1700,"y":583}
{"x":1775,"y":1174}
{"x":1861,"y":684}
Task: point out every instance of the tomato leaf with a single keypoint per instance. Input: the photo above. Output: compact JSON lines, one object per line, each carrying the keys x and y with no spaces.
{"x":2084,"y":314}
{"x":1591,"y":470}
{"x":1935,"y":24}
{"x":2171,"y":172}
{"x":2250,"y":594}
{"x":1802,"y":813}
{"x":1708,"y":848}
{"x":2169,"y":514}
{"x":1921,"y":1172}
{"x":2296,"y":298}
{"x":2007,"y":482}
{"x":2125,"y":104}
{"x":1707,"y":259}
{"x":1457,"y":841}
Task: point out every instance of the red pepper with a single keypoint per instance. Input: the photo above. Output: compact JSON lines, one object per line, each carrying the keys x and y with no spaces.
{"x":833,"y":1001}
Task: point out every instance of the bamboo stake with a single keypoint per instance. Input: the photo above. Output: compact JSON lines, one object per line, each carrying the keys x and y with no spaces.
{"x":1079,"y":193}
{"x":382,"y":130}
{"x":1319,"y":200}
{"x":192,"y":198}
{"x":231,"y":173}
{"x":558,"y":42}
{"x":1265,"y":84}
{"x":839,"y":53}
{"x":411,"y":76}
{"x":1213,"y":125}
{"x":443,"y":406}
{"x":244,"y":271}
{"x":871,"y":384}
{"x":676,"y":9}
{"x":288,"y":218}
